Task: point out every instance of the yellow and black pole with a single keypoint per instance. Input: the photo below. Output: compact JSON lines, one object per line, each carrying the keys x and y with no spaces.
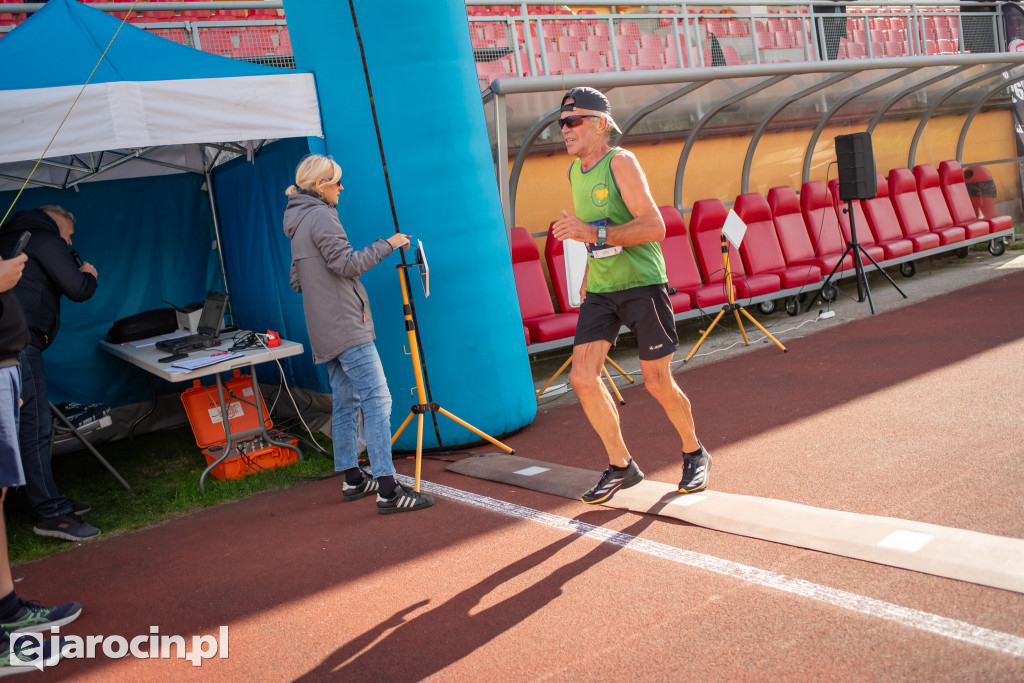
{"x":731,"y":306}
{"x":424,"y":406}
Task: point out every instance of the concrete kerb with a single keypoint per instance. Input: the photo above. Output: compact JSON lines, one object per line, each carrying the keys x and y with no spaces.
{"x":935,"y":276}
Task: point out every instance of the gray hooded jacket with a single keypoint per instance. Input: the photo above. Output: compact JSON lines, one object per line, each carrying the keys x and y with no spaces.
{"x":325,"y":270}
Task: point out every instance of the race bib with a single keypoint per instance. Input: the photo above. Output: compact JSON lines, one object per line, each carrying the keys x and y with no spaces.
{"x":604,"y":251}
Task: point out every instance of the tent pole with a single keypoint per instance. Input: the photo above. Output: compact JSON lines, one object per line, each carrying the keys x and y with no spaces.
{"x":216,"y":234}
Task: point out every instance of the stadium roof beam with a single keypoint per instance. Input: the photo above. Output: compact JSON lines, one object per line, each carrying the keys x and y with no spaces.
{"x":653,"y":103}
{"x":823,"y":122}
{"x":912,"y":154}
{"x":974,"y":112}
{"x":755,"y":137}
{"x":691,"y":138}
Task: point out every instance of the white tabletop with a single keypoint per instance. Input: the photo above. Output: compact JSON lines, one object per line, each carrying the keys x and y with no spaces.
{"x":147,"y":356}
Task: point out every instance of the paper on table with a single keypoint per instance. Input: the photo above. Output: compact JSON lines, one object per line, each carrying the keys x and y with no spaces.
{"x":196,"y":363}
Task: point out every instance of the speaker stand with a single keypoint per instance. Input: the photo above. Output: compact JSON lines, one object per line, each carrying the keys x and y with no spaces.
{"x":854,"y":247}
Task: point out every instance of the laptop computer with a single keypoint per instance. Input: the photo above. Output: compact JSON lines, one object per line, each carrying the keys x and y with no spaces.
{"x":207,"y":331}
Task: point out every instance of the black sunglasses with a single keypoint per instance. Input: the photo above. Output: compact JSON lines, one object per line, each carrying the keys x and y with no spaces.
{"x":576,"y":120}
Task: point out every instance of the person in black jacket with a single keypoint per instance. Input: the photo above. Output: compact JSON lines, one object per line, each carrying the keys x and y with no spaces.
{"x":53,"y":270}
{"x":16,"y":614}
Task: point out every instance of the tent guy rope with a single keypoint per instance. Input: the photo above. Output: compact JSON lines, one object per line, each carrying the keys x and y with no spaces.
{"x":66,"y":115}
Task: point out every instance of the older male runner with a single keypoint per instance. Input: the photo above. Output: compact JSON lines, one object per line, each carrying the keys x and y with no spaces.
{"x":625,"y":284}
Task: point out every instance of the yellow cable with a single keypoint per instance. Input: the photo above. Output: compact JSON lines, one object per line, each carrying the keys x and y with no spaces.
{"x":56,"y":132}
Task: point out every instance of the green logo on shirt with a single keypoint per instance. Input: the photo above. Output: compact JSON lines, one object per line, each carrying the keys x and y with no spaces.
{"x":599,"y":195}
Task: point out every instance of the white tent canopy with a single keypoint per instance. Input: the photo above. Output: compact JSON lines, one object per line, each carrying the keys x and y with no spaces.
{"x":143,"y":92}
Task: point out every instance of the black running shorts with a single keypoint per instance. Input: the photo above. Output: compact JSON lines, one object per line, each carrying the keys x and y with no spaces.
{"x":646,"y":311}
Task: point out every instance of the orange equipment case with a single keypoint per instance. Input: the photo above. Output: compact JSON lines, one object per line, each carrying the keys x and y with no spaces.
{"x":204,"y":415}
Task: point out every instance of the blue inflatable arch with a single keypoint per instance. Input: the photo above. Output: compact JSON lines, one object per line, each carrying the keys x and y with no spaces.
{"x":442,"y":178}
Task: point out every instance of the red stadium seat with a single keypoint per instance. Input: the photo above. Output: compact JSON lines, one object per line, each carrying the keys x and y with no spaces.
{"x":936,"y":210}
{"x":864,"y":236}
{"x":822,"y":225}
{"x":760,"y":246}
{"x":907,"y":205}
{"x":885,"y":226}
{"x":649,"y":58}
{"x":706,"y":221}
{"x":954,"y":188}
{"x":791,"y":231}
{"x":535,"y":305}
{"x":589,"y":61}
{"x":681,"y":267}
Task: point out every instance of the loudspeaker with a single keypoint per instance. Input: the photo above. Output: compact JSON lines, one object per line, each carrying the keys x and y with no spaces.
{"x":857,"y":178}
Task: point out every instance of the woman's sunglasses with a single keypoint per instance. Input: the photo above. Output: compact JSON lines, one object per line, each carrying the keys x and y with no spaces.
{"x":576,"y":120}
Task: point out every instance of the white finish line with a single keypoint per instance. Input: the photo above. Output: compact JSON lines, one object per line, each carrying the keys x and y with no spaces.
{"x":924,"y":621}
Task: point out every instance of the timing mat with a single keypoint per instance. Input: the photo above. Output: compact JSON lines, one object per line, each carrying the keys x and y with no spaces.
{"x":979,"y":558}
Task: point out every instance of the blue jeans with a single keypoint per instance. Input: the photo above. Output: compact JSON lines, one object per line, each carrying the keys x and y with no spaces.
{"x":357,"y":380}
{"x":34,"y":438}
{"x":11,"y":473}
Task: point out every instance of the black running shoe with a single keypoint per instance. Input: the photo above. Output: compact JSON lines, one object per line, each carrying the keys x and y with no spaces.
{"x":696,"y":471}
{"x":404,"y":500}
{"x":612,"y":481}
{"x":364,"y":488}
{"x":69,"y":527}
{"x":36,"y":618}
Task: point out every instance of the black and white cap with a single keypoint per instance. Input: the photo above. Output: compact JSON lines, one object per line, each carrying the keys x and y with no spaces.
{"x":592,"y":99}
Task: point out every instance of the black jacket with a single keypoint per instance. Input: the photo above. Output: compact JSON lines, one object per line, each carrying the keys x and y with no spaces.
{"x":49,"y":273}
{"x":13,"y":331}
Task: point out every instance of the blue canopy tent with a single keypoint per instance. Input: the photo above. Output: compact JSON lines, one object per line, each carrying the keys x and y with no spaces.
{"x":135,"y":161}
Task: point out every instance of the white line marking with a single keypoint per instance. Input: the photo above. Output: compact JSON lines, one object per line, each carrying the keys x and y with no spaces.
{"x":901,"y":539}
{"x":1005,"y":643}
{"x":530,"y":471}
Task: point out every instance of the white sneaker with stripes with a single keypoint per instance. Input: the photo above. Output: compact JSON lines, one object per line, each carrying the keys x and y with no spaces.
{"x":364,"y":488}
{"x":404,"y":500}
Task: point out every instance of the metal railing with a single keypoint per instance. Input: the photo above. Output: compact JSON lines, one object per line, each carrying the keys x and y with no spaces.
{"x":516,"y":39}
{"x":253,"y":31}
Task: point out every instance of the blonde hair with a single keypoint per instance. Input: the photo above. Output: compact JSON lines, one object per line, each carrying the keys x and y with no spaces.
{"x":313,"y":168}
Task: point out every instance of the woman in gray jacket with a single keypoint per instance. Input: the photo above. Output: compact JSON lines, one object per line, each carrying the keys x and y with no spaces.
{"x":325,"y":270}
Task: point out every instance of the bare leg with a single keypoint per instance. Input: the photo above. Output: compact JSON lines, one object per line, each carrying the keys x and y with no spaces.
{"x":6,"y":582}
{"x":598,"y":405}
{"x":659,"y":381}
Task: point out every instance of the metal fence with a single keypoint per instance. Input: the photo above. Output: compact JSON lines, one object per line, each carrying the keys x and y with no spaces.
{"x":516,"y":39}
{"x":521,"y":40}
{"x":254,"y":35}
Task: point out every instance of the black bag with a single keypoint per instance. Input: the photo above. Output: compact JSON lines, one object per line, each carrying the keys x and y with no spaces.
{"x":143,"y":325}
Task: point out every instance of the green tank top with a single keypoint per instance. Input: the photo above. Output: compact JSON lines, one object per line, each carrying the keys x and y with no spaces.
{"x":596,"y":197}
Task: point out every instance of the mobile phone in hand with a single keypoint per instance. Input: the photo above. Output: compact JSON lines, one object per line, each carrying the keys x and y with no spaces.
{"x":20,"y":246}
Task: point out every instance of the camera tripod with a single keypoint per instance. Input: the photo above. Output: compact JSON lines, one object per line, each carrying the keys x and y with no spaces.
{"x":732,"y":306}
{"x":426,"y":403}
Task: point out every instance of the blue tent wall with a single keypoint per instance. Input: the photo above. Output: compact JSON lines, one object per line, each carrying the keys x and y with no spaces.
{"x":442,"y":175}
{"x":250,"y":203}
{"x":151,"y":241}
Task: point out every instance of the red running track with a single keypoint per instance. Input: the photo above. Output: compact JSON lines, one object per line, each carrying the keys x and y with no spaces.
{"x":913,"y":414}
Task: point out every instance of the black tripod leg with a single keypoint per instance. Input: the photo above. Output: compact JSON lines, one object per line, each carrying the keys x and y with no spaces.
{"x":862,"y":276}
{"x":879,"y":269}
{"x":828,"y":280}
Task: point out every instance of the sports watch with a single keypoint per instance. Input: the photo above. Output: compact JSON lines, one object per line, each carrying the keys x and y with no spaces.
{"x":602,"y":233}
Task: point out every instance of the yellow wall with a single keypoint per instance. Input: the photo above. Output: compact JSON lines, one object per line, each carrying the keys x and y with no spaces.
{"x":716,"y":164}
